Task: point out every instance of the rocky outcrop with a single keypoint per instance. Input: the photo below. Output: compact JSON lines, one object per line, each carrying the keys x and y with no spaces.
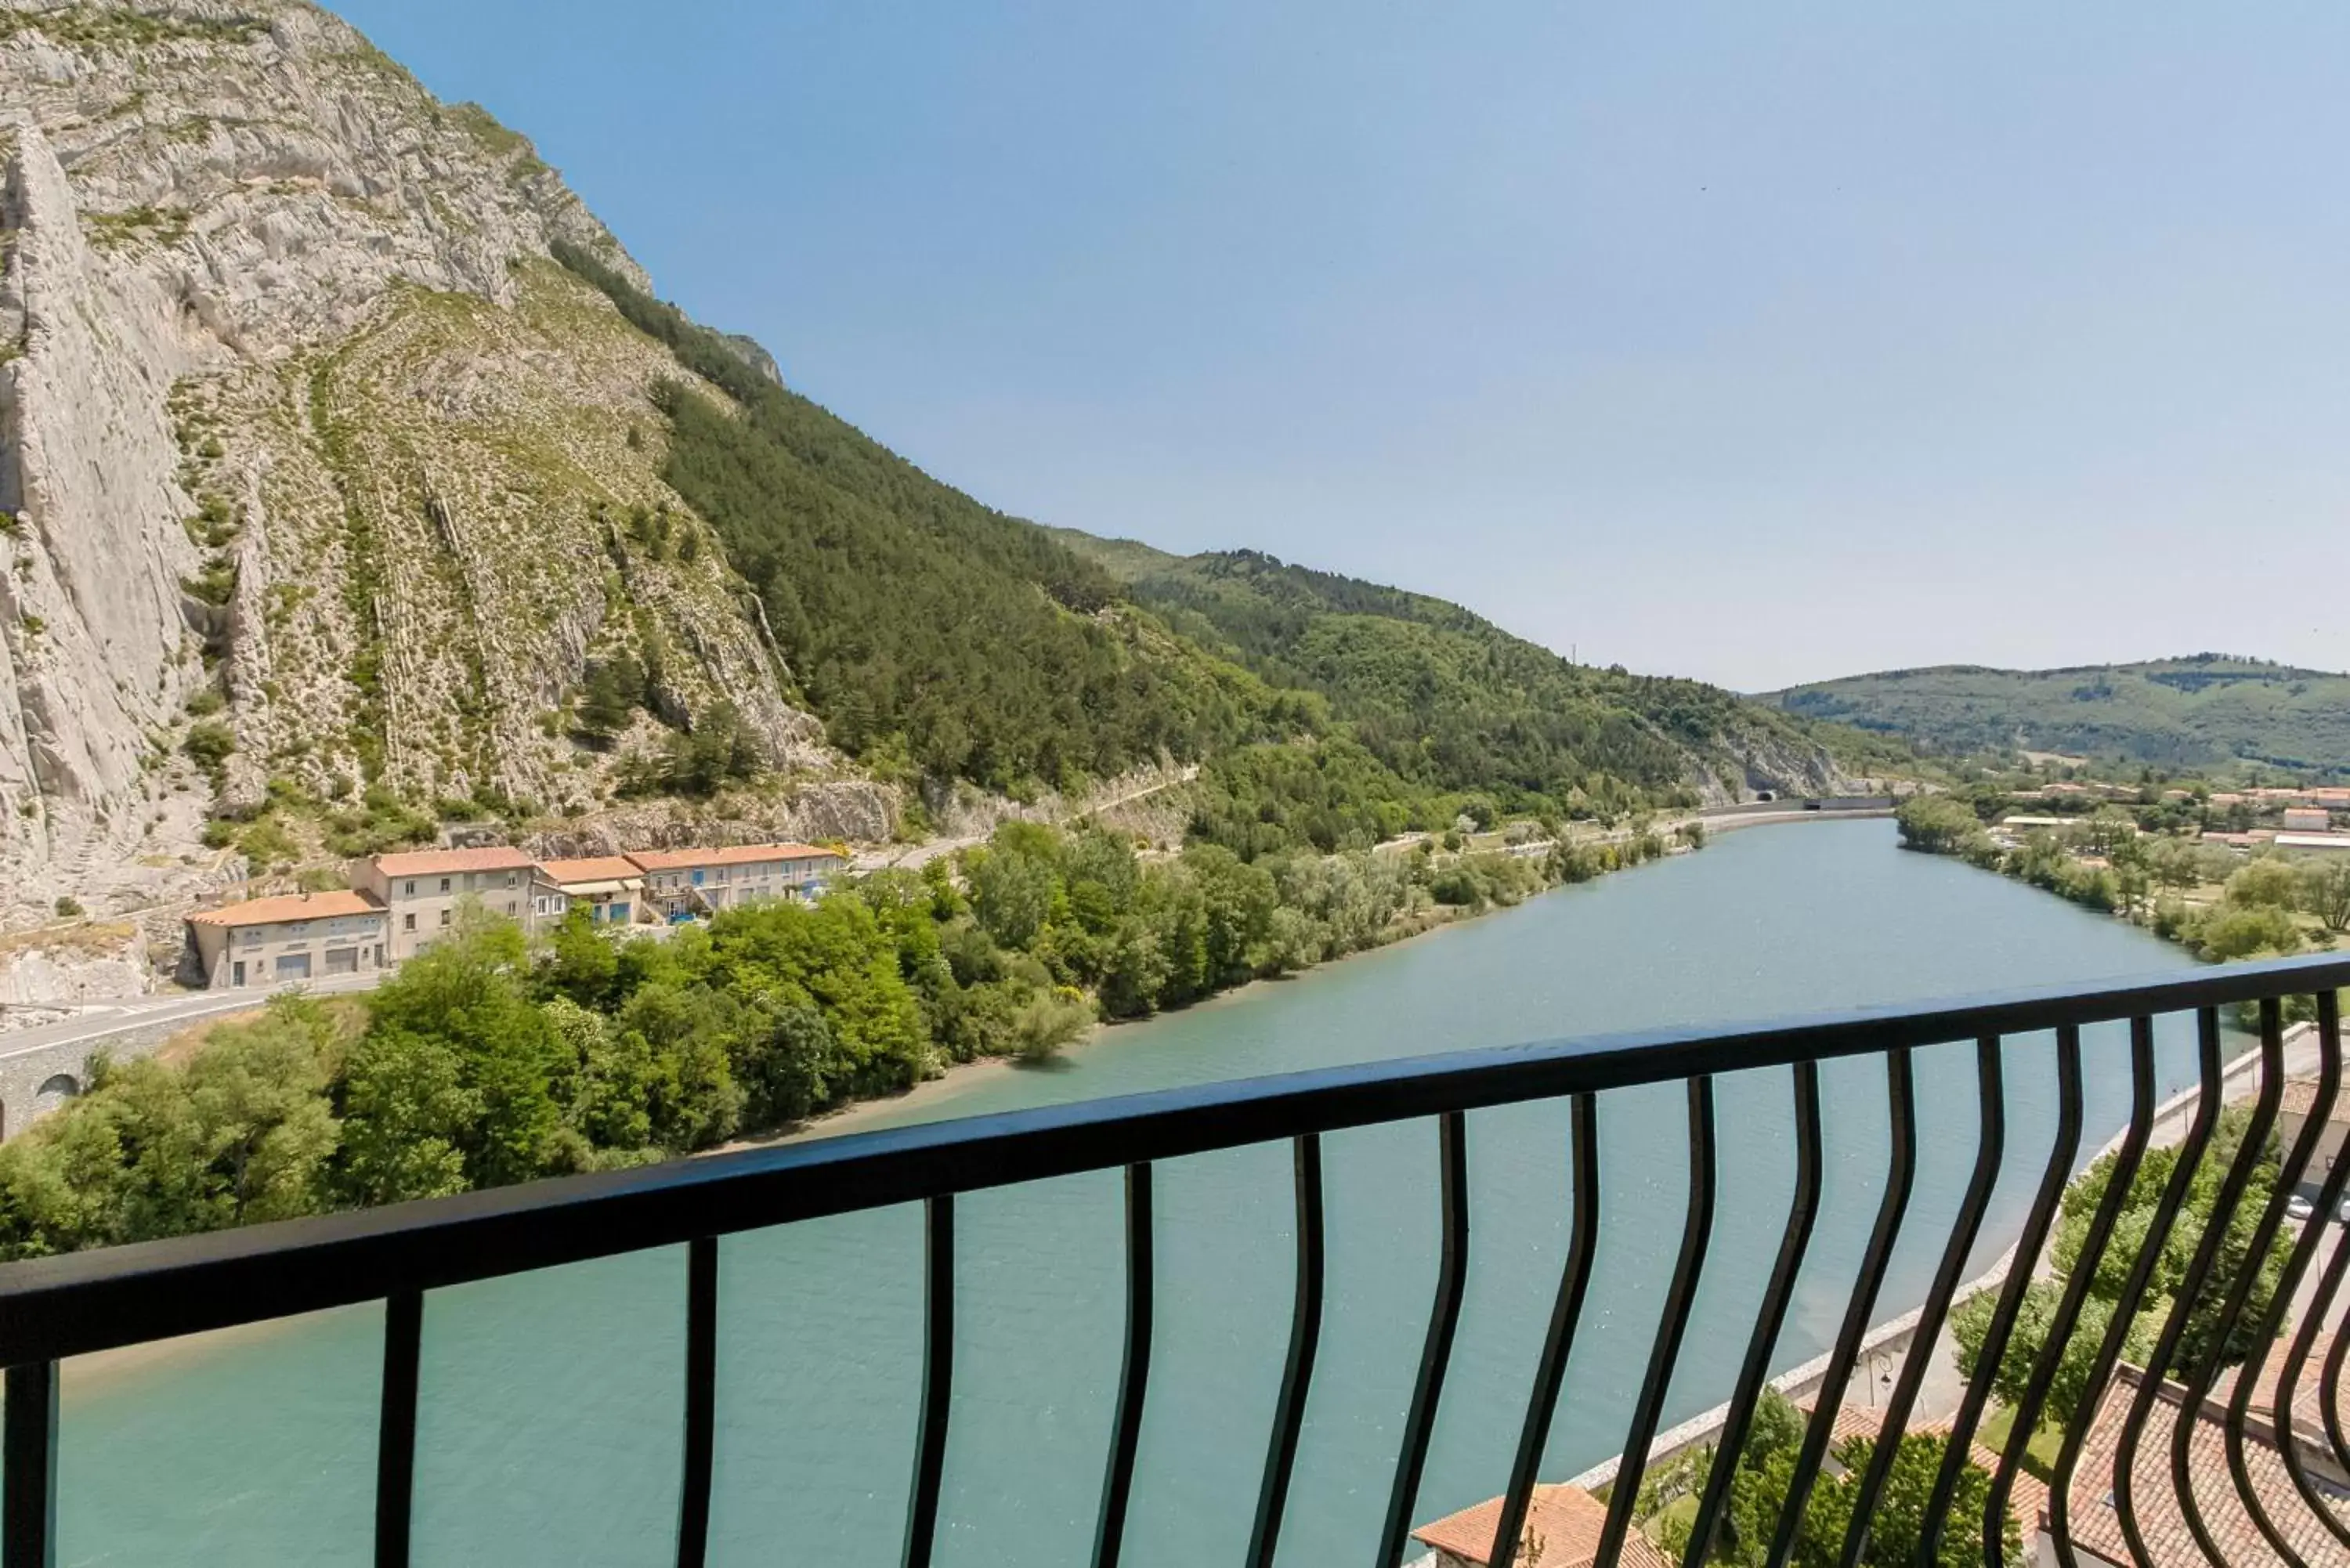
{"x":851,"y":811}
{"x":44,"y":973}
{"x":316,"y":476}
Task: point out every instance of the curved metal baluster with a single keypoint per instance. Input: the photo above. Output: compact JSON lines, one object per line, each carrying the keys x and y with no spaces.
{"x":2174,"y":1327}
{"x":2296,"y":1166}
{"x":395,"y":1452}
{"x":1451,"y":1274}
{"x":938,"y":1377}
{"x":1991,"y":1147}
{"x":700,"y":1400}
{"x":1134,"y":1373}
{"x":2084,"y":1269}
{"x":2213,"y":1243}
{"x":2062,"y":1152}
{"x":1574,"y":1283}
{"x":1900,"y":1171}
{"x":1802,"y":1210}
{"x":2288,"y":1441}
{"x":1697,"y":1232}
{"x":28,"y":1482}
{"x":2330,"y":1396}
{"x":1305,"y":1337}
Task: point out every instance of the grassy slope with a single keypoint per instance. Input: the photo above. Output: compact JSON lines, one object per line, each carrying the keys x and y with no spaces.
{"x":2202,"y":712}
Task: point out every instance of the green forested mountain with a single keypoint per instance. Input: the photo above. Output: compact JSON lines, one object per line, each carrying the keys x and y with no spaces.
{"x":936,"y":636}
{"x":2203,"y":711}
{"x":927,"y":630}
{"x":1452,"y":701}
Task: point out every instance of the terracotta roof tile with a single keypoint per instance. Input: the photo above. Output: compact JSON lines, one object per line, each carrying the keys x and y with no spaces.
{"x":2095,"y":1521}
{"x":1567,"y":1519}
{"x":2300,"y":1098}
{"x":443,"y":862}
{"x":289,"y":907}
{"x":593,"y":868}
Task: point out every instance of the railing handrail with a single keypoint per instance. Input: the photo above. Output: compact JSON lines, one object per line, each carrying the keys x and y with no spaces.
{"x":101,"y":1299}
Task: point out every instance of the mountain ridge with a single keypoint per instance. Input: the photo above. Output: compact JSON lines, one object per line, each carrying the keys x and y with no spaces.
{"x":353,"y":478}
{"x":2205,"y":710}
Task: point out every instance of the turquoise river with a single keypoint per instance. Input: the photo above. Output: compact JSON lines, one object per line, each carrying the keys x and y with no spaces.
{"x":551,"y":1404}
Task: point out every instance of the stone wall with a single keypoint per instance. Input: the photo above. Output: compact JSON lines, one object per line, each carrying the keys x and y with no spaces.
{"x":26,"y":1072}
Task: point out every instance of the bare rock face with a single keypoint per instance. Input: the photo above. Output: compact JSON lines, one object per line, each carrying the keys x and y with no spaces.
{"x":851,"y":810}
{"x":317,"y":477}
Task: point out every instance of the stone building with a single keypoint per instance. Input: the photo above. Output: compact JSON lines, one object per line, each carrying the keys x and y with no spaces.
{"x":298,"y":937}
{"x":422,"y":891}
{"x":683,"y":883}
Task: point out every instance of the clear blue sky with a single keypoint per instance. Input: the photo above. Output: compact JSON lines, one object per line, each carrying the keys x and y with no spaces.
{"x":1759,"y":343}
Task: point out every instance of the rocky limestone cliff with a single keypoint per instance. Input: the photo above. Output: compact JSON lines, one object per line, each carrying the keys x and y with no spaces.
{"x":310,"y":455}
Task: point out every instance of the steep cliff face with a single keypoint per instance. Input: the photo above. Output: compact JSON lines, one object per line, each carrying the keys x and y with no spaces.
{"x":309,"y":453}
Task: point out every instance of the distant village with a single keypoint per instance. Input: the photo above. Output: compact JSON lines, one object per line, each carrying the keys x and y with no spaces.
{"x":398,"y":905}
{"x":2280,"y":818}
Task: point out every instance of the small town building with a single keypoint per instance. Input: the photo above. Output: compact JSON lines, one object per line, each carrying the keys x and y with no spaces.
{"x":298,"y":937}
{"x":611,"y":888}
{"x":2307,"y":819}
{"x":2298,"y":1104}
{"x":2312,"y":841}
{"x":1565,"y":1521}
{"x":684,"y":884}
{"x":421,"y":891}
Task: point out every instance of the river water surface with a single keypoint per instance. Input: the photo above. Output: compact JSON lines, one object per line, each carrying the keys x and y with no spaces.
{"x":551,"y":1410}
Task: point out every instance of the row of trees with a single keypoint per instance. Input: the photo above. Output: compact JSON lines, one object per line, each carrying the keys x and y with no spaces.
{"x":2104,"y":862}
{"x":486,"y":1060}
{"x":1764,"y":1480}
{"x":2201,"y":1342}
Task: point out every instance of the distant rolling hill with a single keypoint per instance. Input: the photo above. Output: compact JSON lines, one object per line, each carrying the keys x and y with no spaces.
{"x":2199,"y":712}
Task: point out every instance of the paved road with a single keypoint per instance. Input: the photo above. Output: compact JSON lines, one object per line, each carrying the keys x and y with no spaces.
{"x":98,"y":1020}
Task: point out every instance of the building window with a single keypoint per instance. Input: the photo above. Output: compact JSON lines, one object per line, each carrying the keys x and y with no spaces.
{"x":444,"y":884}
{"x":251,"y":936}
{"x":510,"y":905}
{"x":510,"y":878}
{"x":408,"y":889}
{"x":407,"y":923}
{"x":444,"y":917}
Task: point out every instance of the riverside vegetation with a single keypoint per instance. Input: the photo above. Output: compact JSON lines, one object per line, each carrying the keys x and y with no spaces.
{"x":1765,"y":1475}
{"x":2266,"y":905}
{"x":486,"y":1060}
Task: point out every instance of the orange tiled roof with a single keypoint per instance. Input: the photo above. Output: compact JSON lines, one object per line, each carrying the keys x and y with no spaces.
{"x":1567,"y":1519}
{"x":592,"y":868}
{"x":2027,"y":1498}
{"x":734,"y":854}
{"x":2308,"y":1396}
{"x":2300,"y":1098}
{"x":2094,"y":1519}
{"x":442,"y":862}
{"x":288,"y":907}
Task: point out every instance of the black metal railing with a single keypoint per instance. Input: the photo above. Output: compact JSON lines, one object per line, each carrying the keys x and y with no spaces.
{"x":59,"y":1307}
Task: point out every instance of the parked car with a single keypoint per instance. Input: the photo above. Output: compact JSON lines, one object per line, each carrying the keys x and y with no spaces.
{"x":2300,"y":1207}
{"x":2343,"y":1214}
